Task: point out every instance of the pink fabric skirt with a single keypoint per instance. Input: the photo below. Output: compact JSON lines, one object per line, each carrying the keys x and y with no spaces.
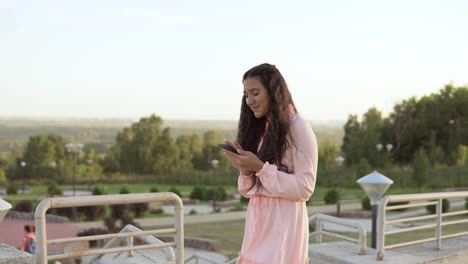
{"x":276,"y":232}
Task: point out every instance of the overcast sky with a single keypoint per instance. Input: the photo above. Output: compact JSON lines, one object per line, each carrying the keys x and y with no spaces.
{"x":185,"y":59}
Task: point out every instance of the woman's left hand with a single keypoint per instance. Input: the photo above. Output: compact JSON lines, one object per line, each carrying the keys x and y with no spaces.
{"x":245,"y":160}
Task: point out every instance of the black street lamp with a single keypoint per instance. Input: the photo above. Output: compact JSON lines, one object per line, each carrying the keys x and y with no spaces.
{"x":23,"y":168}
{"x":75,"y":150}
{"x":214,"y":164}
{"x":52,"y":166}
{"x":89,"y":162}
{"x":339,"y":161}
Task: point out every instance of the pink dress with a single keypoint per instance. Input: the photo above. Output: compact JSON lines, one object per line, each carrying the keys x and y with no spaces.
{"x":277,"y":226}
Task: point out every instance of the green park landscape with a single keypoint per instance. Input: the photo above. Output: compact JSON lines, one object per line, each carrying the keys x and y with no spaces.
{"x":422,"y":146}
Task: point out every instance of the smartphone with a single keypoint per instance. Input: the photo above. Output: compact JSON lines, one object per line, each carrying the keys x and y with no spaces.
{"x":228,"y":147}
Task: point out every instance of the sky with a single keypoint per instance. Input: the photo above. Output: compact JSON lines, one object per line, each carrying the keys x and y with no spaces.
{"x":185,"y":59}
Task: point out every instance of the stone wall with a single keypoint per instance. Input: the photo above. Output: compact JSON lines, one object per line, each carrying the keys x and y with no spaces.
{"x":50,"y":218}
{"x":11,"y":255}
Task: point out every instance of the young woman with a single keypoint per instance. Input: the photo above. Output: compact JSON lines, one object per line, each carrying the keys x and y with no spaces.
{"x":277,"y":160}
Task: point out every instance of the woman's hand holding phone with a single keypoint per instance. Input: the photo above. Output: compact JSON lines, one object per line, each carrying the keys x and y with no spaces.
{"x":245,"y":161}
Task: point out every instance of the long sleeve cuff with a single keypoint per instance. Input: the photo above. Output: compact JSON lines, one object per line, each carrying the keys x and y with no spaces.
{"x":264,"y":170}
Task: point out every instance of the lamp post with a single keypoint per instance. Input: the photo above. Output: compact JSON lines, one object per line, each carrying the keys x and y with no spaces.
{"x":23,"y":166}
{"x":52,"y":166}
{"x":339,"y":161}
{"x":388,"y":148}
{"x":89,"y":162}
{"x":214,"y":163}
{"x":375,"y":185}
{"x":75,"y":150}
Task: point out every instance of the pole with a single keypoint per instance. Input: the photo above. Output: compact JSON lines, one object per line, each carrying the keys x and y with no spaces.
{"x":73,"y":182}
{"x":374,"y":225}
{"x":24,"y":179}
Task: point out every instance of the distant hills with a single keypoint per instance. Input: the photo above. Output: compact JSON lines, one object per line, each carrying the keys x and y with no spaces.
{"x":101,"y":132}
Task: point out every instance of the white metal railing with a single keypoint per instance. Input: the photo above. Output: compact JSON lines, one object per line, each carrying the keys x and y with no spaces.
{"x":42,"y":256}
{"x":421,"y":200}
{"x":145,"y":236}
{"x":320,"y":219}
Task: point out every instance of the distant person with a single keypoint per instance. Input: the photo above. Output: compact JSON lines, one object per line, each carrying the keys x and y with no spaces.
{"x":28,"y":243}
{"x":277,"y":160}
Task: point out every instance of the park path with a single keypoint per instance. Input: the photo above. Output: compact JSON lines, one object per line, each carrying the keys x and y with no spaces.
{"x":12,"y":232}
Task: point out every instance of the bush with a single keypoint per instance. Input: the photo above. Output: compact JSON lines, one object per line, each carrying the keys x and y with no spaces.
{"x":221,"y":194}
{"x":445,"y":207}
{"x":125,"y":189}
{"x":3,"y":179}
{"x":193,"y":212}
{"x":92,"y":212}
{"x":157,"y":211}
{"x":12,"y":189}
{"x":54,"y":189}
{"x":236,"y":208}
{"x":210,"y":194}
{"x":154,"y":189}
{"x":332,"y":196}
{"x":365,"y":203}
{"x":139,"y":209}
{"x":175,"y":190}
{"x":119,"y":210}
{"x":244,"y":199}
{"x":24,"y":206}
{"x":198,"y":192}
{"x":466,"y":204}
{"x":92,"y":232}
{"x":100,"y":190}
{"x":66,"y":212}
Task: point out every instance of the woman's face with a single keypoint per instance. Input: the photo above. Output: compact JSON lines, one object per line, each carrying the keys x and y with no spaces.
{"x":257,"y":97}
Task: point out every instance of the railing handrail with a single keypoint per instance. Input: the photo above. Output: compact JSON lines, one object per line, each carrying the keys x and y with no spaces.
{"x":435,"y":198}
{"x":321,"y":218}
{"x":425,"y":196}
{"x":79,"y":201}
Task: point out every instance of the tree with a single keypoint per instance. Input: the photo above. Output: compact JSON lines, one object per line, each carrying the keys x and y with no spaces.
{"x":363,"y":168}
{"x":184,"y":143}
{"x":420,"y":168}
{"x":351,"y":145}
{"x":328,"y":152}
{"x":165,"y":153}
{"x":40,"y":151}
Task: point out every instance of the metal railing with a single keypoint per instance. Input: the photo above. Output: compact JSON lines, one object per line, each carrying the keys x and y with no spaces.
{"x":145,"y":236}
{"x":320,"y":219}
{"x":427,"y":199}
{"x":42,"y":256}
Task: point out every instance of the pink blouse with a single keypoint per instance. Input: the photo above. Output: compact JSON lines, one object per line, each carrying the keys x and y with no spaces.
{"x":277,"y":226}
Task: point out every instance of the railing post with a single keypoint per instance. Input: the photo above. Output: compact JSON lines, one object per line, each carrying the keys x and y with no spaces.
{"x":438,"y":230}
{"x":179,"y":237}
{"x":131,"y":252}
{"x":41,"y":235}
{"x":381,"y":227}
{"x":318,"y":227}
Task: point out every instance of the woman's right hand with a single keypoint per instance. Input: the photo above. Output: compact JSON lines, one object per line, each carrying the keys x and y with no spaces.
{"x":236,"y":145}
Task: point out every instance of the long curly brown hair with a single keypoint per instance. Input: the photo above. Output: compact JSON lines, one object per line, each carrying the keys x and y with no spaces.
{"x":252,"y":129}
